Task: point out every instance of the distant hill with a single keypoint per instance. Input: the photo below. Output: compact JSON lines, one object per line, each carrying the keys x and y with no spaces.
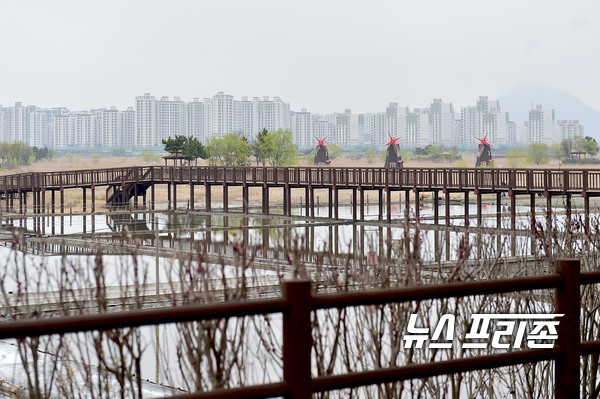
{"x":517,"y":102}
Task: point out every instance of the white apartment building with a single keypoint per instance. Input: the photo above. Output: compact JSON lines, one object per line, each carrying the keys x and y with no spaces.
{"x":375,"y":127}
{"x":302,"y":128}
{"x":486,"y":119}
{"x":569,"y":129}
{"x":541,"y":127}
{"x":171,"y":118}
{"x":128,"y":127}
{"x":244,"y":118}
{"x":146,"y":121}
{"x":195,"y":117}
{"x":221,"y":115}
{"x":109,"y":131}
{"x":419,"y":130}
{"x":441,"y":119}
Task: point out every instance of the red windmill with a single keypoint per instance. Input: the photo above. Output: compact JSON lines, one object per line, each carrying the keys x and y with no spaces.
{"x":484,"y":154}
{"x":321,"y":153}
{"x":393,"y":158}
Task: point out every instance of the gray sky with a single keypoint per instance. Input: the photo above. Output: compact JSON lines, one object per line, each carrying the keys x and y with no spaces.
{"x":321,"y":55}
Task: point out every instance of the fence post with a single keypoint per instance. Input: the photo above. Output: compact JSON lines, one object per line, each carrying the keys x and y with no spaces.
{"x":297,"y":339}
{"x":568,"y":301}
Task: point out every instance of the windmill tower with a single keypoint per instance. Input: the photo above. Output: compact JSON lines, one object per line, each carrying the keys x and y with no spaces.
{"x":393,"y":157}
{"x":484,"y":155}
{"x":321,"y":153}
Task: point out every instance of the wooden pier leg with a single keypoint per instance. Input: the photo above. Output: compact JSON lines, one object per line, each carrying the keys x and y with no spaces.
{"x":207,"y":197}
{"x":168,"y":196}
{"x":330,"y":202}
{"x":417,"y":205}
{"x":225,"y":198}
{"x":306,"y":204}
{"x":336,"y":203}
{"x":152,"y":198}
{"x":84,"y":200}
{"x":43,"y":198}
{"x":285,"y":200}
{"x":467,"y":221}
{"x":498,"y":210}
{"x":586,"y":207}
{"x":354,"y":209}
{"x":362,"y":203}
{"x":192,"y":200}
{"x":311,"y":196}
{"x":513,"y":211}
{"x":265,"y":200}
{"x":532,"y":208}
{"x":135,"y":195}
{"x":34,"y":199}
{"x":549,"y":212}
{"x":62,"y":200}
{"x":569,"y":210}
{"x":93,"y":201}
{"x":436,"y":208}
{"x":245,"y":199}
{"x":24,"y":195}
{"x":388,"y":202}
{"x":479,"y":209}
{"x":447,"y":207}
{"x":380,"y":206}
{"x":174,"y":196}
{"x":407,"y":200}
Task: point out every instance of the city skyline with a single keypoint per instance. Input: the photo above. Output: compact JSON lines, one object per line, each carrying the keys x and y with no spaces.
{"x":153,"y":120}
{"x":317,"y":55}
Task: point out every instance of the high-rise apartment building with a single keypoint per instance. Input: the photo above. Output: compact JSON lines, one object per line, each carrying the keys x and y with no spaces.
{"x":146,"y":121}
{"x":441,"y":119}
{"x":541,"y":127}
{"x":171,"y":118}
{"x":302,"y":128}
{"x":569,"y":129}
{"x":195,"y":116}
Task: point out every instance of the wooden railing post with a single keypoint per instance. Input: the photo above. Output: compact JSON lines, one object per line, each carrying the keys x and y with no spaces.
{"x":297,"y":339}
{"x":568,"y":302}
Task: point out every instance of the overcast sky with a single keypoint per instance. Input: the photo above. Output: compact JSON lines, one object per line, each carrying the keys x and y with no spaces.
{"x":322,"y":55}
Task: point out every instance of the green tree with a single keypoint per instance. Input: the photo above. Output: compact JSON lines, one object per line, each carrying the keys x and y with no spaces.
{"x":432,"y":151}
{"x":515,"y":158}
{"x":538,"y":153}
{"x":281,"y":148}
{"x":189,"y":148}
{"x":334,"y":151}
{"x":231,"y":150}
{"x":260,"y":147}
{"x":590,"y":145}
{"x":371,"y":155}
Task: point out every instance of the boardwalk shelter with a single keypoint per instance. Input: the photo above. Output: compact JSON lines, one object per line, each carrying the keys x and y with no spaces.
{"x":180,"y":158}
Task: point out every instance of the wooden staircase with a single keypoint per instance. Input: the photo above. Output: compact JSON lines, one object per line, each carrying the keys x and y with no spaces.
{"x":121,"y":195}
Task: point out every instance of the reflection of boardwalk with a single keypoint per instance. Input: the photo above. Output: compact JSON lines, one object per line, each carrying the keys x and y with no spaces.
{"x":134,"y":182}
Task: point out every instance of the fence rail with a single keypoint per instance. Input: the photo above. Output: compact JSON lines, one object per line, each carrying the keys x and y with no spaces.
{"x":297,"y":304}
{"x":522,"y":180}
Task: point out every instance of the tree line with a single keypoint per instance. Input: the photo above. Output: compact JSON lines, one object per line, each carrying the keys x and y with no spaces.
{"x":275,"y":148}
{"x":19,"y":153}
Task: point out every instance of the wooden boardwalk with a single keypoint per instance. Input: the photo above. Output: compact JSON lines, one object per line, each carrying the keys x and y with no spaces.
{"x":124,"y":184}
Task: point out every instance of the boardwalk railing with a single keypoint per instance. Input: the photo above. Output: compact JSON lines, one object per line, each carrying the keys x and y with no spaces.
{"x":454,"y":179}
{"x":297,"y":304}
